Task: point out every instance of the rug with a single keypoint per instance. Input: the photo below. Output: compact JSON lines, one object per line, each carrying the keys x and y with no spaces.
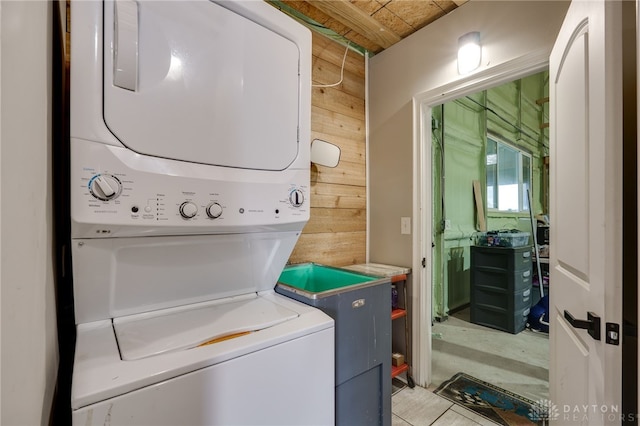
{"x":490,"y":401}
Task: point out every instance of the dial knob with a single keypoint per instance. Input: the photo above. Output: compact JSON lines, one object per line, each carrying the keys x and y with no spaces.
{"x":105,"y":187}
{"x":214,"y":210}
{"x":296,"y":198}
{"x":188,"y":210}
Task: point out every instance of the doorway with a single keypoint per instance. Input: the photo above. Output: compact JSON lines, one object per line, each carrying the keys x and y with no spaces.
{"x":489,"y":157}
{"x":423,"y":244}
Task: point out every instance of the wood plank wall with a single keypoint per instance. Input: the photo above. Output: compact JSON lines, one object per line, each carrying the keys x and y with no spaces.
{"x":336,"y":232}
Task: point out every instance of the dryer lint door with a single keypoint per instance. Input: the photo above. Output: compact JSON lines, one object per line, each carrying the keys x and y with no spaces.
{"x":194,"y":81}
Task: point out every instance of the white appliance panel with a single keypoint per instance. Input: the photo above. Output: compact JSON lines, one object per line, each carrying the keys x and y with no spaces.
{"x":237,"y":392}
{"x":99,"y":372}
{"x":149,"y":193}
{"x":211,"y":87}
{"x":115,"y":277}
{"x":144,"y":335}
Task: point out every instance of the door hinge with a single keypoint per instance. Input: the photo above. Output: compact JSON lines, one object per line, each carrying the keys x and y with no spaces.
{"x":424,"y":262}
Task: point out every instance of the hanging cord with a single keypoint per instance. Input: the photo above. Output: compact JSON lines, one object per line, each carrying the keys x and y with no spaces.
{"x":344,"y":58}
{"x":440,"y":144}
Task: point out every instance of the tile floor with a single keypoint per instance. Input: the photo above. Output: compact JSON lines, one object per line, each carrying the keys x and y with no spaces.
{"x":421,"y":407}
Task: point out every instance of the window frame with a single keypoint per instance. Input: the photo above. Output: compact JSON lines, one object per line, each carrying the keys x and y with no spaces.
{"x":523,"y":202}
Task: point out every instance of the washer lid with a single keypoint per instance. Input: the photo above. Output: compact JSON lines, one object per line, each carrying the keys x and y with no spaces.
{"x":154,"y":333}
{"x":194,"y":81}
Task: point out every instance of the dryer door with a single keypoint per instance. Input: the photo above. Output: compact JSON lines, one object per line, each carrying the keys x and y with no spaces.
{"x":194,"y":81}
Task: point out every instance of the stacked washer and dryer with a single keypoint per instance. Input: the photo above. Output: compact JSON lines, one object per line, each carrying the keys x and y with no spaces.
{"x":190,"y":128}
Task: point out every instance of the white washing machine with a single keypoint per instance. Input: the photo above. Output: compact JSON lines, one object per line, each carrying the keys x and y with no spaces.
{"x":190,"y":128}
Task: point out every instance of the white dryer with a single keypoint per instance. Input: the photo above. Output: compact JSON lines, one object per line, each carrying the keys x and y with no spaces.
{"x":190,"y":129}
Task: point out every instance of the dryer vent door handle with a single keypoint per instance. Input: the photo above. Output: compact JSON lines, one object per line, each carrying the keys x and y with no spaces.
{"x":125,"y":44}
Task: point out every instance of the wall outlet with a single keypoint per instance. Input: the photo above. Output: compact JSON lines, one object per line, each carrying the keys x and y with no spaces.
{"x":447,"y":224}
{"x":405,"y":225}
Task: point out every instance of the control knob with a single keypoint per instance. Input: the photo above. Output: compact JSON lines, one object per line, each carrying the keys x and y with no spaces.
{"x":214,"y":210}
{"x":105,"y":187}
{"x":296,"y":198}
{"x":188,"y":210}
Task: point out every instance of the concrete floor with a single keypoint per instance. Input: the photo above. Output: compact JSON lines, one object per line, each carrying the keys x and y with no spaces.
{"x":518,"y":363}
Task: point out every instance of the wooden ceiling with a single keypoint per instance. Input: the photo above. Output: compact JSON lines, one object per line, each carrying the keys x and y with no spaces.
{"x":374,"y":25}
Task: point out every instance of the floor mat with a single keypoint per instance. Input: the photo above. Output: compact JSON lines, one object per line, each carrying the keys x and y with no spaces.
{"x":494,"y":403}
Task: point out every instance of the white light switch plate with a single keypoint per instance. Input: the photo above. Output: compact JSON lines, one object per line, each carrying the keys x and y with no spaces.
{"x":405,"y":225}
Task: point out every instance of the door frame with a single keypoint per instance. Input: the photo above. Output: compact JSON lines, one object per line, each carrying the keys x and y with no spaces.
{"x":423,"y":103}
{"x":638,"y":178}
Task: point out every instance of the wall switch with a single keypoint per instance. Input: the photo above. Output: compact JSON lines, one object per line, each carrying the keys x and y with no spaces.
{"x":447,"y":224}
{"x":405,"y":225}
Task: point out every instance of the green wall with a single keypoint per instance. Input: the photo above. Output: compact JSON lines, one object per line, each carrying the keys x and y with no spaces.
{"x":515,"y":112}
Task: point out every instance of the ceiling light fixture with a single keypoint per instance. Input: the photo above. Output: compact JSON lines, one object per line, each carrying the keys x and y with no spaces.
{"x":469,"y":52}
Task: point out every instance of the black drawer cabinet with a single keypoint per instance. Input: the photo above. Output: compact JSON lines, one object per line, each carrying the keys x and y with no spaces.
{"x":505,"y":259}
{"x":499,"y":278}
{"x":501,"y":287}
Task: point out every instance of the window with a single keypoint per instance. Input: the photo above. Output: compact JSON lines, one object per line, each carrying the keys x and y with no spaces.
{"x":508,"y":177}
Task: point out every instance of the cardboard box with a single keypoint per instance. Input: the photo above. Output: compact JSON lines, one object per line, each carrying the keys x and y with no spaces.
{"x":397,"y":359}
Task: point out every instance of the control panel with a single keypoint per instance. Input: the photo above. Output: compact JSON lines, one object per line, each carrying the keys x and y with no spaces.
{"x":110,"y":198}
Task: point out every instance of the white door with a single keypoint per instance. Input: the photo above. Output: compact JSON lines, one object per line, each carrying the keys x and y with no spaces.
{"x":585,"y":86}
{"x":199,"y":82}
